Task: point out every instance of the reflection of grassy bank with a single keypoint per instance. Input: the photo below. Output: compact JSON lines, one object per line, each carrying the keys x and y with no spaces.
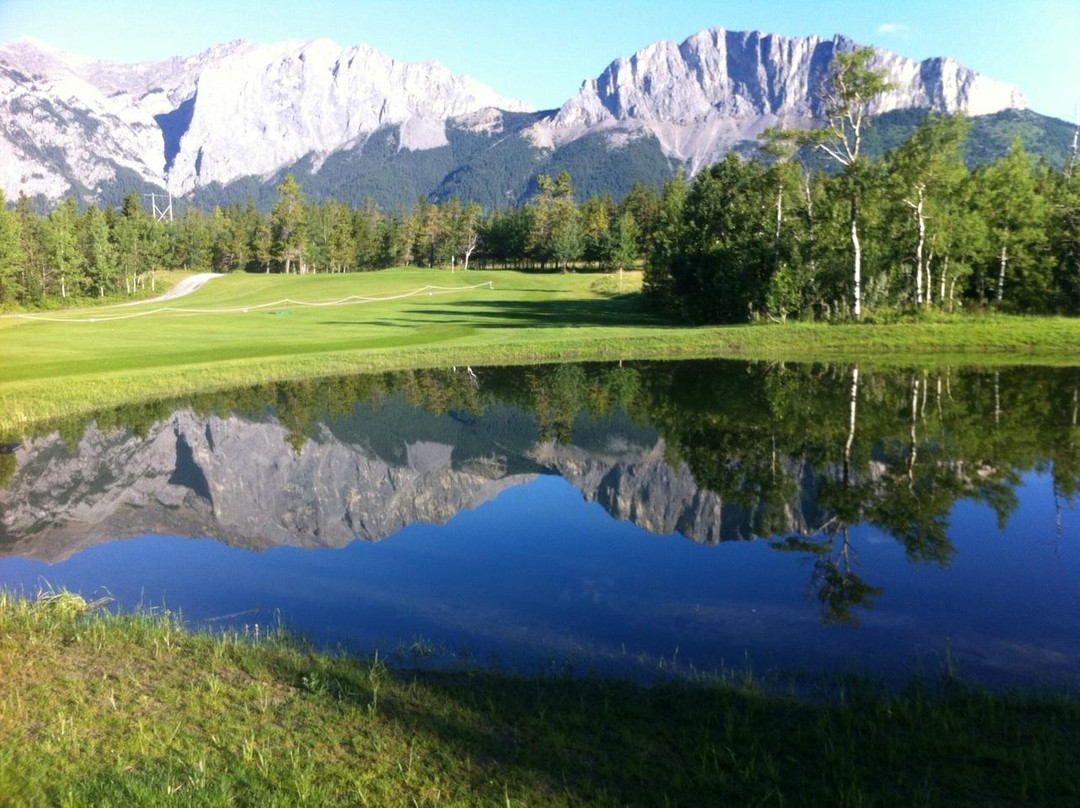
{"x":134,"y":710}
{"x":49,"y":369}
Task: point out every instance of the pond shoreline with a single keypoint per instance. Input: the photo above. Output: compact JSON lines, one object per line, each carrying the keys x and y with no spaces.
{"x":23,"y":404}
{"x":133,"y":707}
{"x":55,"y":369}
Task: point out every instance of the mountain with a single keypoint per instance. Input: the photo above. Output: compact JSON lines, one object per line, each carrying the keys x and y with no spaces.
{"x":717,"y":88}
{"x":241,"y":482}
{"x":236,"y":110}
{"x":352,"y":122}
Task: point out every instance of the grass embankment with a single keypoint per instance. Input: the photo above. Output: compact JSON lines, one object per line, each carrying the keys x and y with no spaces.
{"x":50,"y":369}
{"x":101,"y":709}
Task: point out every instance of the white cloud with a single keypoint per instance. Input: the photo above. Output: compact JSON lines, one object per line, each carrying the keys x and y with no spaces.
{"x":894,"y":29}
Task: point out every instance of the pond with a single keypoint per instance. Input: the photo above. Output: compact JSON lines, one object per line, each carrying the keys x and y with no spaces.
{"x":641,"y":519}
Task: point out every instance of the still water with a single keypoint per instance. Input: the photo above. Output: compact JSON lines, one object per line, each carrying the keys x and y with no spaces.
{"x":646,"y":519}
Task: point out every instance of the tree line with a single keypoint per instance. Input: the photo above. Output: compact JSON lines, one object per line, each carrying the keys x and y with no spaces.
{"x":762,"y":238}
{"x":768,"y":238}
{"x":106,"y":252}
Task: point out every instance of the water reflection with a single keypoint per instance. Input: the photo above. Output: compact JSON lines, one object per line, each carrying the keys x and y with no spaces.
{"x":827,"y":465}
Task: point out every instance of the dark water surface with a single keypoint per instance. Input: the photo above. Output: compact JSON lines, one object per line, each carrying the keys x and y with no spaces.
{"x":640,"y":519}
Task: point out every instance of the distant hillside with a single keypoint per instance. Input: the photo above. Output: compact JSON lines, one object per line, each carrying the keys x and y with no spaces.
{"x":495,"y":171}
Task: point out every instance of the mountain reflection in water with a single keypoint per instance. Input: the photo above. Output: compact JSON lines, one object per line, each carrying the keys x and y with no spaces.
{"x":840,"y":473}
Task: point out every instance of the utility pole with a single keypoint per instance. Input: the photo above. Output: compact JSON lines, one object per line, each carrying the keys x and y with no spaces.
{"x":166,"y":210}
{"x":1071,"y":167}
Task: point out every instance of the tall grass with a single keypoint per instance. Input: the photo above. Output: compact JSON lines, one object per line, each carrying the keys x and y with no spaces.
{"x":104,"y":708}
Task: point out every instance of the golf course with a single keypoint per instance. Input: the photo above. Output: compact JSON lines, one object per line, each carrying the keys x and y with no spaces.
{"x":248,"y":328}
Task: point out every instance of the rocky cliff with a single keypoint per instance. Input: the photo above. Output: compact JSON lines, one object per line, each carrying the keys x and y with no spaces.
{"x":244,"y":110}
{"x":239,"y":109}
{"x":243,"y":483}
{"x":230,"y":479}
{"x":720,"y":87}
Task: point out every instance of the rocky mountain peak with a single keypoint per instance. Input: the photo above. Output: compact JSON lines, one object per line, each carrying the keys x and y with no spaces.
{"x":237,"y":109}
{"x":249,"y":110}
{"x":718,"y":87}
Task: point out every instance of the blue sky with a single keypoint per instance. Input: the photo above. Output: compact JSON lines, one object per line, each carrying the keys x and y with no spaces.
{"x":540,"y":51}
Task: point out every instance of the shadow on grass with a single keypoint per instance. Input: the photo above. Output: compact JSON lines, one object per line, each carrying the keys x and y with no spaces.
{"x":608,"y":742}
{"x":539,"y":314}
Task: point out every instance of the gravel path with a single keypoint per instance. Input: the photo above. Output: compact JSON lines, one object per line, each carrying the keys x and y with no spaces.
{"x":185,"y":287}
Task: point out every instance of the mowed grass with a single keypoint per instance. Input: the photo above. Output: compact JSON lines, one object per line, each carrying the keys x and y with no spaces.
{"x":104,"y":709}
{"x":49,"y":369}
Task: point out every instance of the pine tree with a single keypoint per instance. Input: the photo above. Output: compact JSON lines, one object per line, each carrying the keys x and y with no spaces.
{"x":11,"y":255}
{"x":624,"y":244}
{"x":288,"y":234}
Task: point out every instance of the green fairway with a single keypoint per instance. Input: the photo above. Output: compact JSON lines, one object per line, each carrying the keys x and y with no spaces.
{"x":67,"y":364}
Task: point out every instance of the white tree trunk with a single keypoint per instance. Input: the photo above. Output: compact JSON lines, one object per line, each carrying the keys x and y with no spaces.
{"x":851,"y":422}
{"x":913,"y":439}
{"x":779,"y":223}
{"x":920,"y":221}
{"x":930,"y":278}
{"x":944,"y":272}
{"x":857,"y":269}
{"x":1001,"y":272}
{"x":997,"y":397}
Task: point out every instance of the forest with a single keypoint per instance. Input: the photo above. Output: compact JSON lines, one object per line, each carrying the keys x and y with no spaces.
{"x":810,"y":228}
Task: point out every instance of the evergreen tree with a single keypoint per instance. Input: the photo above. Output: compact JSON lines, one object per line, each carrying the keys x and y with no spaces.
{"x":721,"y":269}
{"x":555,"y":223}
{"x":288,"y":235}
{"x":597,"y":217}
{"x":342,"y":248}
{"x":666,"y":243}
{"x":365,"y":230}
{"x":31,"y":237}
{"x":643,"y":204}
{"x":624,"y":243}
{"x":11,"y":255}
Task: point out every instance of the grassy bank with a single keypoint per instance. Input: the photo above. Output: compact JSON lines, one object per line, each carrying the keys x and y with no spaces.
{"x":133,"y":710}
{"x":67,"y":365}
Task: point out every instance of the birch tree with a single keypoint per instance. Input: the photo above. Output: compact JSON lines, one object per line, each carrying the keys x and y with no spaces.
{"x":851,"y":87}
{"x":926,"y":172}
{"x":1015,"y":215}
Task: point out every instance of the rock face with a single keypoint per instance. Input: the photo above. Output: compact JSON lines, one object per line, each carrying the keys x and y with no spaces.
{"x":236,"y":110}
{"x":639,"y":485}
{"x":230,"y":479}
{"x":243,"y":483}
{"x":247,"y":110}
{"x":719,"y":87}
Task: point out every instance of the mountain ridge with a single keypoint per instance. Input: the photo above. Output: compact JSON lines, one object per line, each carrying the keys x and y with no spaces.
{"x":240,"y":114}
